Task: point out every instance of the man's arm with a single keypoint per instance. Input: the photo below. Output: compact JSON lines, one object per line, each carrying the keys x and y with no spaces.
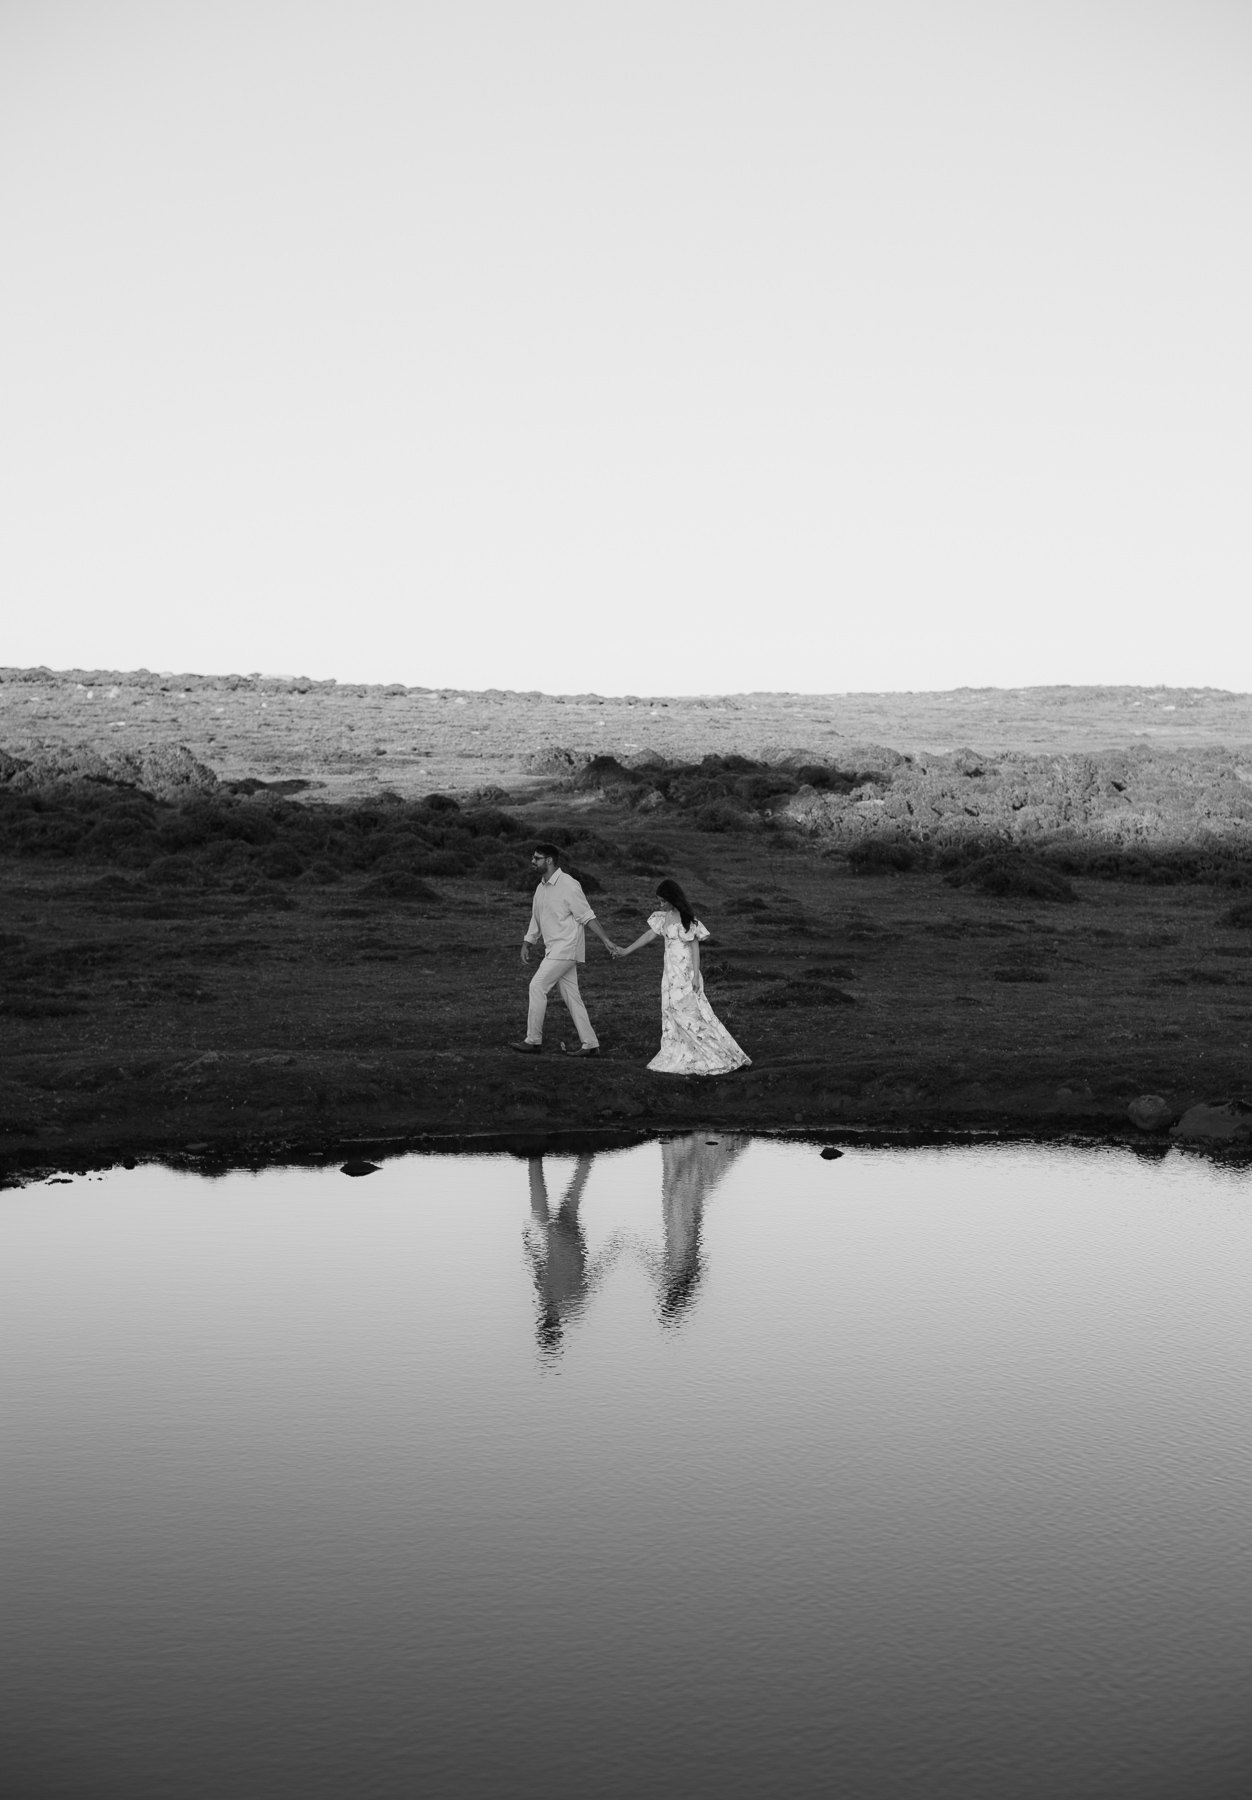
{"x":593,"y":924}
{"x":582,"y":912}
{"x":532,"y":932}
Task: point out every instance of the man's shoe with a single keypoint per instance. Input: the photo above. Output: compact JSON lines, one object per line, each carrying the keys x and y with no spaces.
{"x":582,"y":1050}
{"x":527,"y":1048}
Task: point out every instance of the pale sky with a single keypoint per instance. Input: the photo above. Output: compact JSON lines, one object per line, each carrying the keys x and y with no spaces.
{"x":635,"y":347}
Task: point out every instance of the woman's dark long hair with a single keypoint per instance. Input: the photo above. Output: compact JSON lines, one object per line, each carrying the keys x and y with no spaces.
{"x":672,"y":894}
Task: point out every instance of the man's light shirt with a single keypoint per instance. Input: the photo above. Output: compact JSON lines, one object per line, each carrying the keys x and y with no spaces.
{"x":558,"y":915}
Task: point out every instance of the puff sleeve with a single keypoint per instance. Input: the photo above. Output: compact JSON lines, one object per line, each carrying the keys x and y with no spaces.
{"x":656,"y":922}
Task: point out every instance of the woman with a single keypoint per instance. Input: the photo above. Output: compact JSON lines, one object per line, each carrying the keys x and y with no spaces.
{"x":693,"y":1039}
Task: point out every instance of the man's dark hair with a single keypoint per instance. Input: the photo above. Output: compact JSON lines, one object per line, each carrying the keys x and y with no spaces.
{"x":548,"y":850}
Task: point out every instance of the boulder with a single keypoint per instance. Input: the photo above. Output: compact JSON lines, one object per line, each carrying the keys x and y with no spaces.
{"x":1216,"y":1121}
{"x":1150,"y":1112}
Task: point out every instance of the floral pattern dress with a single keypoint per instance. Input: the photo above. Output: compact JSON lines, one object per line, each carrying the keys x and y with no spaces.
{"x":693,"y":1039}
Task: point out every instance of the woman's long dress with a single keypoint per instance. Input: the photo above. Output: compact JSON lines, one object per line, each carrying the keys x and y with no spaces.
{"x":693,"y":1039}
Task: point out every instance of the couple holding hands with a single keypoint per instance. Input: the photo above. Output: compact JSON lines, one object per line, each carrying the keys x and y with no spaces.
{"x":693,"y":1039}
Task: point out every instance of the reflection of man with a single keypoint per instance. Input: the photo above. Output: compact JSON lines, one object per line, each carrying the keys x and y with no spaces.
{"x":558,"y":1252}
{"x":559,"y":914}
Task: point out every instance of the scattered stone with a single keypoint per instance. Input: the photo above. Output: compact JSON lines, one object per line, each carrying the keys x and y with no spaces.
{"x":196,"y":1149}
{"x":1150,"y":1112}
{"x":1216,"y":1121}
{"x":829,"y":1154}
{"x":356,"y":1166}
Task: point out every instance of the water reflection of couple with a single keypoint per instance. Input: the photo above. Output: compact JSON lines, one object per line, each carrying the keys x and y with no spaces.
{"x":693,"y":1039}
{"x":556,"y":1244}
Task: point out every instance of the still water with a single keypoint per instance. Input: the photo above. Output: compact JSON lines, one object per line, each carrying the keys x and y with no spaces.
{"x":706,"y":1467}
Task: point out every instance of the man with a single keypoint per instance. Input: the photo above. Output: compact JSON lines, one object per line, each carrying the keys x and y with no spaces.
{"x":559,"y":914}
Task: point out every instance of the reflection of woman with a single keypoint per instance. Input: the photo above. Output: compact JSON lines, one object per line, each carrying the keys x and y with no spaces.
{"x":693,"y":1039}
{"x":691,"y":1168}
{"x":558,"y":1253}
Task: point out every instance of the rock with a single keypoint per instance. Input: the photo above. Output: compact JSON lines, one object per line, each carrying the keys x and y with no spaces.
{"x":1150,"y":1112}
{"x":1216,"y":1121}
{"x":830,"y":1153}
{"x":555,"y":759}
{"x":358,"y":1167}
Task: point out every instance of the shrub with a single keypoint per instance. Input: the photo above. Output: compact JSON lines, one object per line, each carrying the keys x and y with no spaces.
{"x":880,"y":856}
{"x":722,"y":816}
{"x":587,"y":882}
{"x":398,"y":884}
{"x":489,"y":821}
{"x":443,"y":862}
{"x":1012,"y":877}
{"x":173,"y":871}
{"x":280,"y":863}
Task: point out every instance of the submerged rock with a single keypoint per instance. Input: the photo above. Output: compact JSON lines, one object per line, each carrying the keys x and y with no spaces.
{"x":1150,"y":1112}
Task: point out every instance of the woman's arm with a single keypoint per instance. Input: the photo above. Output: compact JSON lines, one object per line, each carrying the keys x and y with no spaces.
{"x":695,"y":963}
{"x":647,"y":938}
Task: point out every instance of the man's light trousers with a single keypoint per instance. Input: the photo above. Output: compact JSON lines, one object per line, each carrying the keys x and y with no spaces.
{"x":561,"y":973}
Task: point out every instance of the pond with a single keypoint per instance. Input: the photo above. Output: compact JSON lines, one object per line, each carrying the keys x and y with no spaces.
{"x":708,"y":1467}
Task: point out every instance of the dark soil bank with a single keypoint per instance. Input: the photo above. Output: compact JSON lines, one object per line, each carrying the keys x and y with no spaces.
{"x":206,"y":978}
